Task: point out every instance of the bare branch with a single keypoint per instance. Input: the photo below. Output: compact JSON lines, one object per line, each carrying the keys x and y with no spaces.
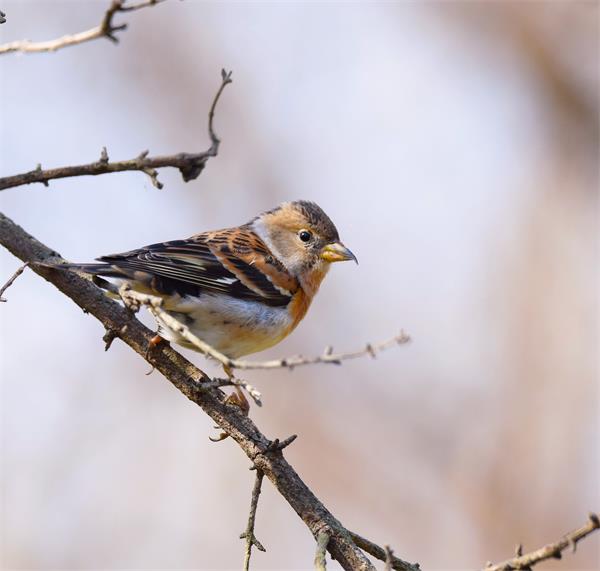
{"x":550,"y":551}
{"x":381,"y":553}
{"x":190,"y":165}
{"x":327,"y":357}
{"x":320,"y":561}
{"x":188,"y":379}
{"x":248,"y":535}
{"x":234,"y":382}
{"x":154,"y":304}
{"x":11,"y":280}
{"x":106,"y":29}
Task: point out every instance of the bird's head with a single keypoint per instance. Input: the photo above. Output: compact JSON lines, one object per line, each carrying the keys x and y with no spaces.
{"x":303,"y":238}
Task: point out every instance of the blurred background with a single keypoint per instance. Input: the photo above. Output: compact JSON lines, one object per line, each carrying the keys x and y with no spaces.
{"x":455,"y":145}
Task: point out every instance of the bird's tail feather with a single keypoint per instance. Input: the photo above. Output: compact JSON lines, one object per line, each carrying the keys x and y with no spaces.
{"x":96,"y":270}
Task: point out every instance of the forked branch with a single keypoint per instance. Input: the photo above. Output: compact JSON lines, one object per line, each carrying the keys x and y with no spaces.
{"x":155,"y":303}
{"x":190,"y":165}
{"x":106,"y":29}
{"x":549,"y":551}
{"x":11,"y":280}
{"x":248,"y":535}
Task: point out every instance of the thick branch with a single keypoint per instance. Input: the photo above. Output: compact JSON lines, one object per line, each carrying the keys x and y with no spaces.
{"x":550,"y":551}
{"x":189,"y":164}
{"x":189,"y":380}
{"x":106,"y":29}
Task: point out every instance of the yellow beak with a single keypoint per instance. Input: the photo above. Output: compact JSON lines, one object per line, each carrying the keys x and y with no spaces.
{"x":337,"y":252}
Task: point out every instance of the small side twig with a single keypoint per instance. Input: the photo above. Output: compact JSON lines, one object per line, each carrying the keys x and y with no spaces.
{"x":133,"y":300}
{"x":549,"y":551}
{"x":11,"y":280}
{"x":106,"y":29}
{"x":248,"y":535}
{"x":190,"y":165}
{"x":382,"y":554}
{"x":389,"y":554}
{"x":322,"y":542}
{"x":154,"y":304}
{"x":327,"y":357}
{"x":235,"y":382}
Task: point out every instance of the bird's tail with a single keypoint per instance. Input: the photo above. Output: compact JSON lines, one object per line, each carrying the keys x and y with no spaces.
{"x":98,"y":271}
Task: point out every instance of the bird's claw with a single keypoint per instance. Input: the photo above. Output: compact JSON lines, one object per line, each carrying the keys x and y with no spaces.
{"x":237,"y":398}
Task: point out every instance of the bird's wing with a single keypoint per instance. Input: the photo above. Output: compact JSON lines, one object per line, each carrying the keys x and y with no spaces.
{"x":233,"y":262}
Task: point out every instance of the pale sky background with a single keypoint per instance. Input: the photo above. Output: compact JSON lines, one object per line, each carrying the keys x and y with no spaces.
{"x":455,"y":145}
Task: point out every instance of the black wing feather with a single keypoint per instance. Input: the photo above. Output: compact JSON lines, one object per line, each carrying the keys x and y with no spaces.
{"x":188,"y":267}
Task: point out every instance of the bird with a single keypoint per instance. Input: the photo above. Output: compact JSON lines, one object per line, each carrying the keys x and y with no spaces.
{"x":240,"y":289}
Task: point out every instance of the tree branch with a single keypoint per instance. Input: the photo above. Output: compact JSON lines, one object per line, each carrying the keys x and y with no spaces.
{"x":248,"y":535}
{"x":190,"y":381}
{"x":550,"y":551}
{"x":190,"y":165}
{"x":106,"y":29}
{"x":154,"y":304}
{"x":382,"y":554}
{"x":11,"y":280}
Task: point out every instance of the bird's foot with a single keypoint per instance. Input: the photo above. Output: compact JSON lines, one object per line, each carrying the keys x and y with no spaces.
{"x":153,"y":344}
{"x":236,"y":398}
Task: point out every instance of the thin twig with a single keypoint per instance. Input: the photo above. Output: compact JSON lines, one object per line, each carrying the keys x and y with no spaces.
{"x":381,"y":554}
{"x":154,"y":304}
{"x":235,"y":382}
{"x":11,"y":280}
{"x":550,"y":551}
{"x":320,"y":560}
{"x":248,"y":535}
{"x":134,"y":299}
{"x":327,"y":357}
{"x":190,"y":165}
{"x":106,"y":29}
{"x":389,"y":554}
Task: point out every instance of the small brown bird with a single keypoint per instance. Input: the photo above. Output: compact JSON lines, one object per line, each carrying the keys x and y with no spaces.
{"x":243,"y":289}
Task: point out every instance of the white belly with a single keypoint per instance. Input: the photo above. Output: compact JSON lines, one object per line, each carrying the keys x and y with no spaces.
{"x":233,"y":327}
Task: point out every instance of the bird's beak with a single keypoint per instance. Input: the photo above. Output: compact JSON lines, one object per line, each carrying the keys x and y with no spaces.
{"x":337,"y":252}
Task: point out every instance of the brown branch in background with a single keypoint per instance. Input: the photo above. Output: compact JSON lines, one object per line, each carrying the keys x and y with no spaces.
{"x":248,"y":535}
{"x":381,"y":554}
{"x":189,"y":379}
{"x":190,"y":165}
{"x":11,"y":280}
{"x":106,"y":29}
{"x":550,"y":551}
{"x":320,"y":561}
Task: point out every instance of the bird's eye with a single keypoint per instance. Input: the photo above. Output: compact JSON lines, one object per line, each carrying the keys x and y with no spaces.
{"x":305,"y":235}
